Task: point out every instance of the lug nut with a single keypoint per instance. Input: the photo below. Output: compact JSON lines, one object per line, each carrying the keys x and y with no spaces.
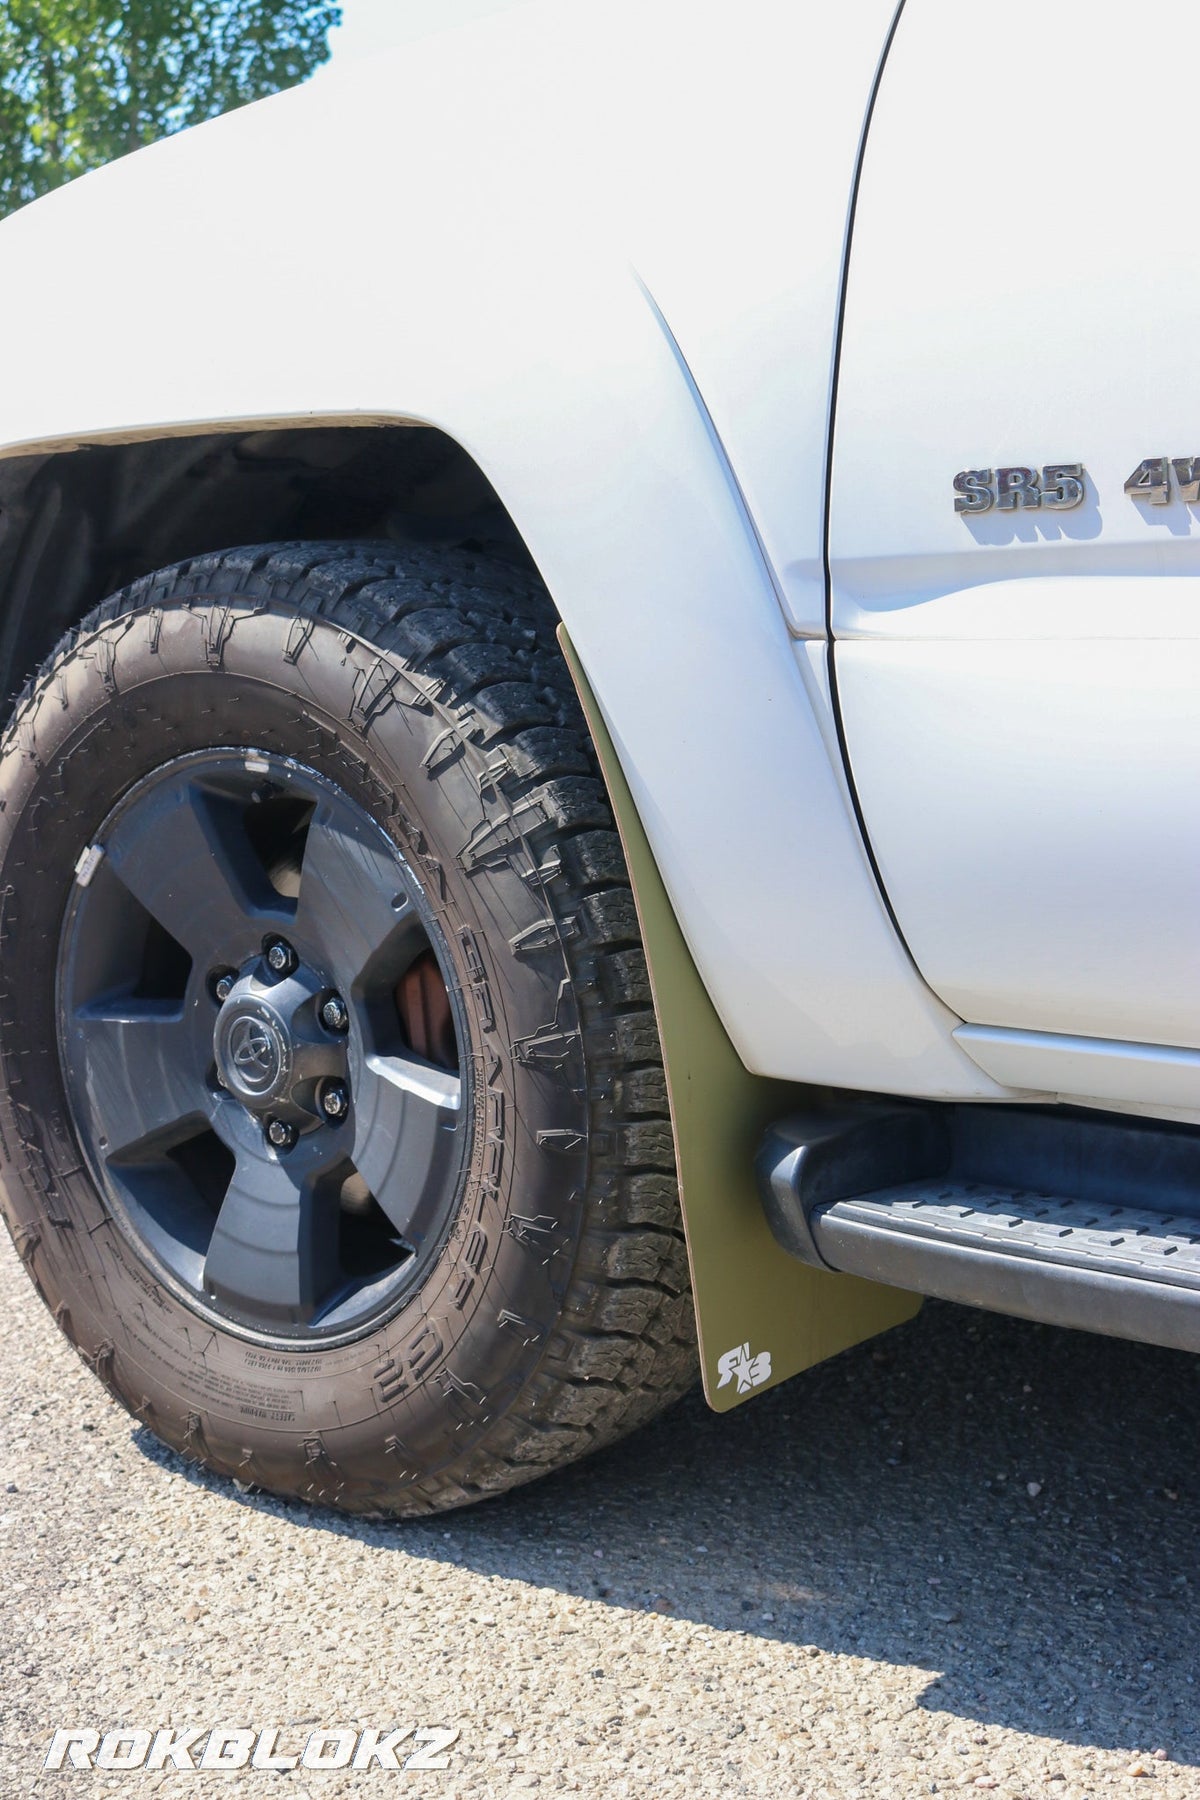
{"x":223,"y":985}
{"x":281,"y":958}
{"x":280,"y":1134}
{"x":335,"y":1100}
{"x":335,"y":1015}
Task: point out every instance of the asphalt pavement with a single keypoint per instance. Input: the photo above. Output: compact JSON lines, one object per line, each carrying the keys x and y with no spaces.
{"x":961,"y":1558}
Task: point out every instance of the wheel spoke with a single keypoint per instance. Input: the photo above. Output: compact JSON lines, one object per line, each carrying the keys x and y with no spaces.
{"x":274,"y":1249}
{"x":144,"y":1076}
{"x":351,"y":908}
{"x":407,"y":1138}
{"x":187,"y":860}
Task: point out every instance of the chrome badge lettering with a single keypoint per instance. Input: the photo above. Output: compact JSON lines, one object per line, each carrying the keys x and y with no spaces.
{"x":1151,"y":480}
{"x":1056,"y":487}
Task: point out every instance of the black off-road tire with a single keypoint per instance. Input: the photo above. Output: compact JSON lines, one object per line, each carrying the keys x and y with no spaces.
{"x":428,"y":687}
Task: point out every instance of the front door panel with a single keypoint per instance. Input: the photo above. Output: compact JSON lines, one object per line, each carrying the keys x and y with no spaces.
{"x":1020,"y":678}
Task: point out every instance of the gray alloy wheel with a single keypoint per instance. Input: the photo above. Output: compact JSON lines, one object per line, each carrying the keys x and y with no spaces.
{"x":237,"y":1040}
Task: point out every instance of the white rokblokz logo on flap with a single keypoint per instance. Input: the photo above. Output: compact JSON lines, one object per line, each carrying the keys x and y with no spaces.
{"x":748,"y":1371}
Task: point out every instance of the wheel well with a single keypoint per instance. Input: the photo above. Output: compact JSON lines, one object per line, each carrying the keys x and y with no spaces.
{"x":76,"y":525}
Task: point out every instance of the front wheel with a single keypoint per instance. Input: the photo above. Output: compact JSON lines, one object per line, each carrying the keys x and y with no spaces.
{"x":331,"y":1091}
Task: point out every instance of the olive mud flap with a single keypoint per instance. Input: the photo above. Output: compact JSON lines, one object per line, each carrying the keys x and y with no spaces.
{"x":761,"y":1316}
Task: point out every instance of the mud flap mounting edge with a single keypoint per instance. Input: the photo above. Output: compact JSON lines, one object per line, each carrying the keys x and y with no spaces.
{"x":761,"y":1315}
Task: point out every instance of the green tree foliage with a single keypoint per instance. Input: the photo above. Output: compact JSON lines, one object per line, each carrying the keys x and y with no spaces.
{"x":82,"y":81}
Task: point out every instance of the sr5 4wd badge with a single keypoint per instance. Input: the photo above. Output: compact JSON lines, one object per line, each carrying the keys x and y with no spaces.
{"x":1060,"y":486}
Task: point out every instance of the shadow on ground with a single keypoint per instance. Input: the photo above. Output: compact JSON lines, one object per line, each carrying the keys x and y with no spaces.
{"x":1012,"y":1508}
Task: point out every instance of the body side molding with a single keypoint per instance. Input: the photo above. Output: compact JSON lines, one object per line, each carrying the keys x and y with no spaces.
{"x":1086,"y":1067}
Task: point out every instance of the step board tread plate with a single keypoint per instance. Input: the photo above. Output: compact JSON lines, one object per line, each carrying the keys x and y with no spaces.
{"x":1121,"y":1270}
{"x":1138,"y":1243}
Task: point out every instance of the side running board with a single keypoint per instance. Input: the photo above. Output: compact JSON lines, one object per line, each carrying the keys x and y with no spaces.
{"x":916,"y":1197}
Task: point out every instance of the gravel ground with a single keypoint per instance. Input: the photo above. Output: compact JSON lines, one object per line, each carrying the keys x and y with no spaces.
{"x":963,"y":1557}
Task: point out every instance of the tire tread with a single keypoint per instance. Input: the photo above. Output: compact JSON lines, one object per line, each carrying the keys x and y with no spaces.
{"x":482,"y":633}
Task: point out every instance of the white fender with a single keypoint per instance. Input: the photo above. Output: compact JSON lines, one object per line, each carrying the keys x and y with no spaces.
{"x":479,"y":232}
